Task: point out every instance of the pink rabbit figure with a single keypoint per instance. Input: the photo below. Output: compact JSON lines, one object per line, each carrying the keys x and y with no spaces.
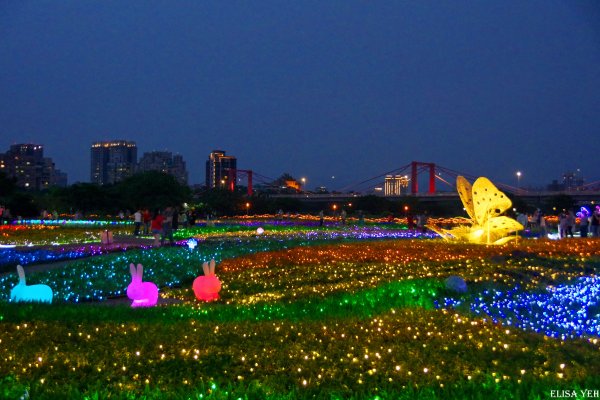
{"x":143,"y":294}
{"x":207,"y":287}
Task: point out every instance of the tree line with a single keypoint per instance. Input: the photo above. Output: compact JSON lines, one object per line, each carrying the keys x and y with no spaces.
{"x":154,"y":190}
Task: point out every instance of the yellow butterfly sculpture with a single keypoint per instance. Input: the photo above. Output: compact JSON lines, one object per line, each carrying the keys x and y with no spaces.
{"x":484,"y":203}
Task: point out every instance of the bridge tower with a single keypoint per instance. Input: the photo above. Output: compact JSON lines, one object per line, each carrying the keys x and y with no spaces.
{"x":414,"y":169}
{"x":232,"y":175}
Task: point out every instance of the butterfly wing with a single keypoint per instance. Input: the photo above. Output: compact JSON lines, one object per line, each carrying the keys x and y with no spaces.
{"x":502,"y":226}
{"x":504,"y":240}
{"x":465,"y":191}
{"x":444,"y":233}
{"x":488,"y":201}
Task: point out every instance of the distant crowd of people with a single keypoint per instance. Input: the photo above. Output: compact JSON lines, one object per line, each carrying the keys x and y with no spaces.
{"x":160,"y":223}
{"x":585,"y":221}
{"x":589,"y":222}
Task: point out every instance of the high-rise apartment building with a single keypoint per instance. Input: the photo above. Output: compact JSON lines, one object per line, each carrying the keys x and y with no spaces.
{"x":113,"y":161}
{"x":217,"y":170}
{"x":26,"y":163}
{"x":393,"y":185}
{"x":164,"y":161}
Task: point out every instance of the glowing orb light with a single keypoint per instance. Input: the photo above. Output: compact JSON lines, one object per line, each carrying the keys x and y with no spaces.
{"x":23,"y":293}
{"x":207,"y":287}
{"x":456,"y":284}
{"x":192,"y":243}
{"x":260,"y":231}
{"x":143,"y":294}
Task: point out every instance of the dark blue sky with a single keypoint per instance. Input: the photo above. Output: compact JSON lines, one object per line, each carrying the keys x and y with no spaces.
{"x":349,"y":89}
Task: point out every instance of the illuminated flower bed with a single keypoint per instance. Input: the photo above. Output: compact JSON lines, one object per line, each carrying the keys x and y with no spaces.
{"x":303,"y":316}
{"x":562,"y":311}
{"x":53,"y":235}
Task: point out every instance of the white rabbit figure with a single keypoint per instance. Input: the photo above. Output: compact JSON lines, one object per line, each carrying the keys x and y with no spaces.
{"x":143,"y":294}
{"x":207,"y":287}
{"x":22,"y":293}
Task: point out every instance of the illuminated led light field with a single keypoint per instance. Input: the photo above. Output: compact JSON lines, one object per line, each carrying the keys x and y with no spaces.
{"x":10,"y":257}
{"x":305,"y":312}
{"x":55,"y":235}
{"x":565,"y":311}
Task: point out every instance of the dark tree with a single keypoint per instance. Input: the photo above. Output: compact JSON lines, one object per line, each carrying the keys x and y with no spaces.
{"x":373,"y":204}
{"x":7,"y":186}
{"x":151,"y":189}
{"x":85,"y":197}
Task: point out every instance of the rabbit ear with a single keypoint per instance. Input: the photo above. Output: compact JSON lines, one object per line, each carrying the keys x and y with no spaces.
{"x":205,"y":268}
{"x":212,"y":266}
{"x":132,"y":270}
{"x":140,"y":271}
{"x":21,"y":273}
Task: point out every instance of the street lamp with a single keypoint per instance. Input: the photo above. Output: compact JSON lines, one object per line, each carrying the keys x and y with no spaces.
{"x":518,"y":181}
{"x":247,"y":208}
{"x":303,"y":180}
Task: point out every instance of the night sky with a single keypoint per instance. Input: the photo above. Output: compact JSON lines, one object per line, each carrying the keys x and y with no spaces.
{"x":318,"y":89}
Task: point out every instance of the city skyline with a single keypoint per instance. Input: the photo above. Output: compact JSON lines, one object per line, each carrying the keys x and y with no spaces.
{"x":218,"y":163}
{"x":335,"y":93}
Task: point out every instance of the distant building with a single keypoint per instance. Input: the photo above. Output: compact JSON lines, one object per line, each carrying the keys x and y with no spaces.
{"x":112,"y":161}
{"x":571,"y":181}
{"x":164,"y":161}
{"x":217,"y":170}
{"x":26,"y":163}
{"x":393,"y":185}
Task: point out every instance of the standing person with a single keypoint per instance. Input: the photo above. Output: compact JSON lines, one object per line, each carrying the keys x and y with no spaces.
{"x":343,"y":216}
{"x":137,"y":222}
{"x":321,"y":218}
{"x":571,"y":221}
{"x":421,"y":222}
{"x":595,"y":224}
{"x":156,"y":227}
{"x":583,"y":222}
{"x":410,"y":221}
{"x":167,"y":231}
{"x":522,"y":219}
{"x":562,"y":224}
{"x":542,"y":225}
{"x":147,"y":219}
{"x":183,"y":218}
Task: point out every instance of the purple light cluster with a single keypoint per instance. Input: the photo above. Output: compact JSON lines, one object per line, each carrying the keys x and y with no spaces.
{"x":62,"y":222}
{"x":11,"y":257}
